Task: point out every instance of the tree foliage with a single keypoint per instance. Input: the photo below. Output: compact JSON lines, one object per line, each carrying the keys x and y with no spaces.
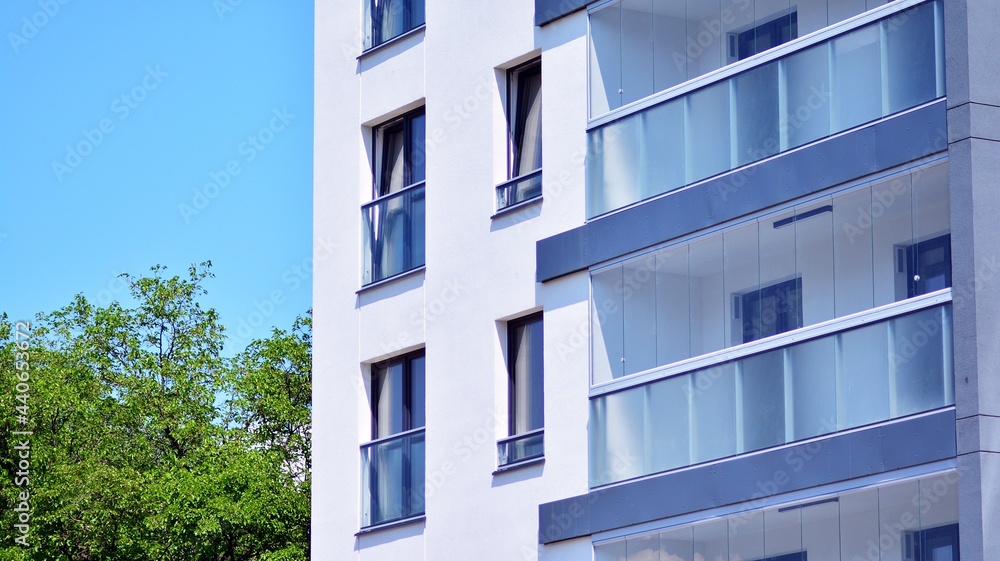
{"x":147,"y":443}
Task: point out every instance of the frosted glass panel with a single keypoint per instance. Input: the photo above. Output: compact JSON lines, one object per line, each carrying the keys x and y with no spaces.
{"x":637,"y":49}
{"x":714,"y":417}
{"x":746,"y":536}
{"x":704,"y":44}
{"x":939,"y":500}
{"x":899,"y":514}
{"x":814,"y":260}
{"x":677,"y":544}
{"x":911,"y":51}
{"x":806,"y":116}
{"x":708,"y":312}
{"x":711,"y":541}
{"x":669,"y":43}
{"x":931,"y":202}
{"x":673,"y":306}
{"x":621,"y":441}
{"x":615,"y":551}
{"x":852,"y":252}
{"x":669,"y":433}
{"x":639,"y":318}
{"x":644,"y":548}
{"x":763,"y":397}
{"x":783,"y":532}
{"x":918,"y":357}
{"x":607,"y":325}
{"x":858,"y":523}
{"x":742,"y":277}
{"x":839,"y":10}
{"x":662,"y":167}
{"x":863,"y":389}
{"x":892,"y":227}
{"x":857,"y":83}
{"x":814,"y":388}
{"x":605,"y":60}
{"x":613,"y":161}
{"x":811,"y":15}
{"x":757,"y":114}
{"x":821,"y":532}
{"x":707,"y":129}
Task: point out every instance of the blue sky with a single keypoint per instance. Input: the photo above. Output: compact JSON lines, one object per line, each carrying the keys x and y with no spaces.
{"x":149,"y":132}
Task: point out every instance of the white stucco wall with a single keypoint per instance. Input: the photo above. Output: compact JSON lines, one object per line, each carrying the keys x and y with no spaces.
{"x":480,"y":272}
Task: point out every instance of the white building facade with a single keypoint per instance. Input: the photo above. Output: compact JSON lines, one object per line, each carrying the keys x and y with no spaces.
{"x":656,"y":280}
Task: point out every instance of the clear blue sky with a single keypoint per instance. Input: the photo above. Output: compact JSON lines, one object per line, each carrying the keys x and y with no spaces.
{"x":118,"y":123}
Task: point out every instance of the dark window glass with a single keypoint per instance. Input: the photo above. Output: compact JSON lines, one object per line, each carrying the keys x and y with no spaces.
{"x":400,"y":157}
{"x":765,"y":36}
{"x":928,"y":266}
{"x":525,"y":112}
{"x":527,"y":412}
{"x":397,"y":396}
{"x":772,"y":309}
{"x":385,"y":19}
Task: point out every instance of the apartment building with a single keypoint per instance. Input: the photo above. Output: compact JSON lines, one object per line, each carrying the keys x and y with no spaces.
{"x":728,"y":293}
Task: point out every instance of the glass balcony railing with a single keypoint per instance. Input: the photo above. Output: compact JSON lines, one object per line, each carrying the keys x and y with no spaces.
{"x":864,"y":374}
{"x":520,"y":448}
{"x":392,"y":472}
{"x":825,"y":87}
{"x":393,"y":234}
{"x":519,"y":189}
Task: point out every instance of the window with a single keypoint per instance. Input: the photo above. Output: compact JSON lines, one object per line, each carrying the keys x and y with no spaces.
{"x":385,"y":19}
{"x":524,"y":131}
{"x":394,"y":220}
{"x":393,"y":463}
{"x":744,"y":44}
{"x":525,"y":365}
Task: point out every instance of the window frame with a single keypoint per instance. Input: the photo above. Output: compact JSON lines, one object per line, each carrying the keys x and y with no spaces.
{"x":404,"y":122}
{"x":512,"y":325}
{"x":406,"y":360}
{"x":372,"y":26}
{"x":515,"y":93}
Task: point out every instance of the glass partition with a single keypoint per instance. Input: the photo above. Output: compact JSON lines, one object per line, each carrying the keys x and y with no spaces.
{"x":909,"y":520}
{"x":801,"y":265}
{"x":392,"y":472}
{"x":869,"y":374}
{"x":393,"y":234}
{"x":862,"y":75}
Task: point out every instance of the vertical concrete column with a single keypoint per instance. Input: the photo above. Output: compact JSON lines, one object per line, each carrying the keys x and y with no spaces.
{"x":972,"y":45}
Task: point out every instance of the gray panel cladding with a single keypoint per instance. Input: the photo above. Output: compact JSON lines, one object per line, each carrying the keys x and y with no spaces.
{"x":828,"y":163}
{"x":881,"y":449}
{"x":547,"y":11}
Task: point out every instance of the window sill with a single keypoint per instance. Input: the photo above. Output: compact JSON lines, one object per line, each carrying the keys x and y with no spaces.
{"x":394,"y":524}
{"x":518,"y":465}
{"x":389,"y":280}
{"x":397,"y":39}
{"x":516,"y":207}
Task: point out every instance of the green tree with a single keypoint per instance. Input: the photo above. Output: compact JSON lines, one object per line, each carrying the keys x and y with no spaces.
{"x":147,"y":443}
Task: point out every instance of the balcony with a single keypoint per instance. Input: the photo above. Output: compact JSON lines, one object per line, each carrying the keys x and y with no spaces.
{"x":859,"y":370}
{"x":392,"y":484}
{"x":393,"y":234}
{"x":860,"y":70}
